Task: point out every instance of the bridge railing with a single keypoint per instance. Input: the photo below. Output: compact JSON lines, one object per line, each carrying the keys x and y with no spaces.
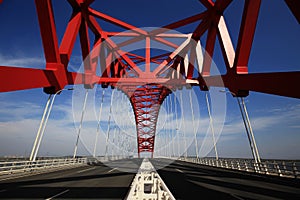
{"x":269,"y":167}
{"x":14,"y":167}
{"x":108,"y":158}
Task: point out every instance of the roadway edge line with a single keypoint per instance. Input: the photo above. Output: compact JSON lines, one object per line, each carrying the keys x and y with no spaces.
{"x":63,"y":192}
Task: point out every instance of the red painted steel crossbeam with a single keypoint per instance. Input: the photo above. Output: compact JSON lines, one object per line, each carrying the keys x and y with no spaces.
{"x":55,"y":75}
{"x":123,"y":69}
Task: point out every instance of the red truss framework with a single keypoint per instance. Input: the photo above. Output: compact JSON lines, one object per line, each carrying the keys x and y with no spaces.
{"x":146,"y":101}
{"x":146,"y":87}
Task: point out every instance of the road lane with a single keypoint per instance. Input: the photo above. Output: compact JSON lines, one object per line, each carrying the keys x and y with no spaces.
{"x":191,"y":181}
{"x":96,"y":181}
{"x":184,"y":180}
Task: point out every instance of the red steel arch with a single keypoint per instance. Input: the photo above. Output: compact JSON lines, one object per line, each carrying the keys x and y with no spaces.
{"x":147,"y":88}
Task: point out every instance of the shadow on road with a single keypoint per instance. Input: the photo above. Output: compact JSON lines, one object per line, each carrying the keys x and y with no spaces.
{"x":190,"y":181}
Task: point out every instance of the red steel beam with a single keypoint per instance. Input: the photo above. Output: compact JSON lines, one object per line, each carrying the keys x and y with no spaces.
{"x":146,"y":100}
{"x":182,"y":50}
{"x":48,"y":30}
{"x":209,"y":49}
{"x":218,"y":5}
{"x":200,"y":30}
{"x":207,"y":3}
{"x":294,"y":6}
{"x":275,"y":83}
{"x":221,"y":5}
{"x":116,"y":21}
{"x":225,"y":44}
{"x":128,"y":27}
{"x":25,"y":78}
{"x":69,"y":38}
{"x":216,"y":10}
{"x":84,"y":42}
{"x":50,"y":44}
{"x":247,"y":30}
{"x":148,"y":55}
{"x":192,"y":59}
{"x":119,"y":53}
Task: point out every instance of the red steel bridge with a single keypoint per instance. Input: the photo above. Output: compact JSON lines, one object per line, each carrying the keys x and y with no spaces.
{"x":147,"y":65}
{"x":145,"y":78}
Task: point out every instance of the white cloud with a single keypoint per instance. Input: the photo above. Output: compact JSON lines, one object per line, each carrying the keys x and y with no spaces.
{"x":11,"y":111}
{"x":18,"y":130}
{"x":22,"y":61}
{"x":18,"y":127}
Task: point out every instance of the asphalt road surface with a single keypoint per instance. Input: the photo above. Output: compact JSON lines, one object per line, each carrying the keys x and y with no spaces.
{"x":184,"y":180}
{"x":190,"y":181}
{"x":91,"y":181}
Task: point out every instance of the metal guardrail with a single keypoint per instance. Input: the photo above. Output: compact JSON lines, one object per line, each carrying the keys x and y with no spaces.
{"x":16,"y":166}
{"x":268,"y":167}
{"x":107,"y":158}
{"x":19,"y":166}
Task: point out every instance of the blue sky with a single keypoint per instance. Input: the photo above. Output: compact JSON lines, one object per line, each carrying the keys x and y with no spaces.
{"x":275,"y":120}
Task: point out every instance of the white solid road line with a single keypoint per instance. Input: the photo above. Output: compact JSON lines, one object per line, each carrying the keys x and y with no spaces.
{"x":112,"y":170}
{"x":57,"y":195}
{"x":86,"y":170}
{"x":236,"y":197}
{"x":179,"y":170}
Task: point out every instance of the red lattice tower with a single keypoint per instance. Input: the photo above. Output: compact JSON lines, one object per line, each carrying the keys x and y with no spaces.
{"x":147,"y":88}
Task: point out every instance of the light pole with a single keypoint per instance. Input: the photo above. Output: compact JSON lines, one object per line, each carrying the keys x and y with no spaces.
{"x":43,"y":124}
{"x":247,"y":124}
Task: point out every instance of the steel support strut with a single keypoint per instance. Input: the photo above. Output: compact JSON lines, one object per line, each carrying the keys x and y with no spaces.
{"x":55,"y":75}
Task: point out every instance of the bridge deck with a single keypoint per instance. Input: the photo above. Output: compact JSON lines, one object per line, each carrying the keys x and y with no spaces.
{"x":91,"y":181}
{"x":191,"y":181}
{"x":184,"y":180}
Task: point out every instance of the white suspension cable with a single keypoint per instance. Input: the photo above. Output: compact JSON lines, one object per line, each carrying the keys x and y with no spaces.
{"x":34,"y":148}
{"x":116,"y":144}
{"x":108,"y":125}
{"x":115,"y":131}
{"x":45,"y":123}
{"x":167,"y":133}
{"x":130,"y":145}
{"x":81,"y":120}
{"x":193,"y":121}
{"x":119,"y":141}
{"x":122,"y":143}
{"x":184,"y":128}
{"x":211,"y":125}
{"x":98,"y":124}
{"x":123,"y":98}
{"x":247,"y":131}
{"x":251,"y":130}
{"x":248,"y":128}
{"x":177,"y":125}
{"x":170,"y":127}
{"x":113,"y":141}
